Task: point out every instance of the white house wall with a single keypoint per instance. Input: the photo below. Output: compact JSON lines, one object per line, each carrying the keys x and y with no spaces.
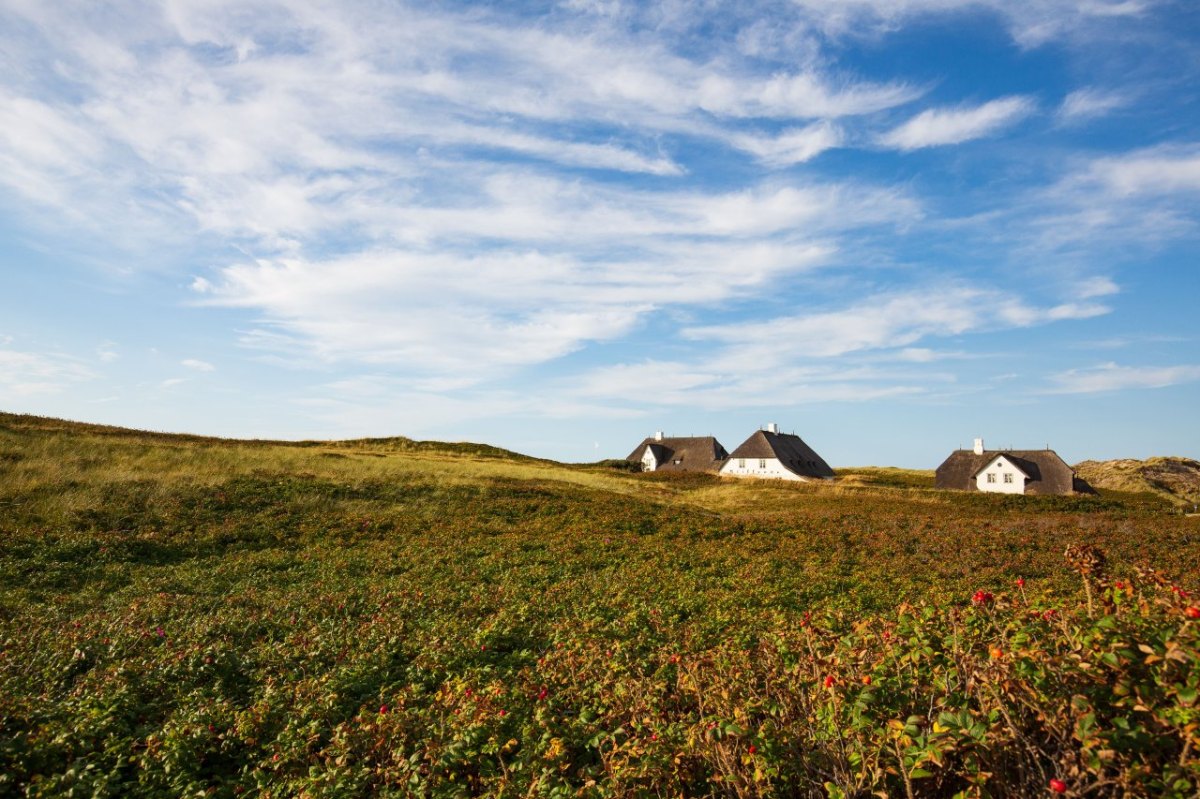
{"x":770,"y":469}
{"x":649,"y":464}
{"x":1006,"y":478}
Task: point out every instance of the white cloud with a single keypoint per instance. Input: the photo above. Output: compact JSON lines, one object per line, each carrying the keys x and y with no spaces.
{"x":792,"y":146}
{"x":107,"y":352}
{"x":1144,"y":198}
{"x":1031,"y":23}
{"x":1114,"y":377}
{"x":1097,"y":287}
{"x":862,"y":352}
{"x":480,"y":314}
{"x":941,"y":126}
{"x":531,"y":275}
{"x":27,"y":374}
{"x":1169,"y":169}
{"x":882,"y":322}
{"x":197,"y":365}
{"x":1090,"y":103}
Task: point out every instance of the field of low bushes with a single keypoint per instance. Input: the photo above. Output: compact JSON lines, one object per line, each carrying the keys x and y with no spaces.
{"x":195,"y":617}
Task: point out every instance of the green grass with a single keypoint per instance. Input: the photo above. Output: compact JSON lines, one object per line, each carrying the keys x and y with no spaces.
{"x":183,"y":615}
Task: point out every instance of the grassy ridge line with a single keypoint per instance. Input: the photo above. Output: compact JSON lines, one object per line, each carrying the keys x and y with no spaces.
{"x":387,"y":444}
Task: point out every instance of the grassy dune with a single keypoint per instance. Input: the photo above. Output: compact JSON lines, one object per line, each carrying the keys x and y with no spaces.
{"x":188,"y":616}
{"x":1176,"y":480}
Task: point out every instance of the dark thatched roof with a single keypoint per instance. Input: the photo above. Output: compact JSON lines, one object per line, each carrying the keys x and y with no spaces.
{"x":1047,"y":473}
{"x":792,"y":452}
{"x":683,"y":454}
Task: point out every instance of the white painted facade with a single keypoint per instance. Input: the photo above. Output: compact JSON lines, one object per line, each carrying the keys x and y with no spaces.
{"x":1000,"y":476}
{"x":765,"y":468}
{"x":649,"y":462}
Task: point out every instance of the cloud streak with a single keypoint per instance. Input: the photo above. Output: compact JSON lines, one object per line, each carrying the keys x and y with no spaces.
{"x":31,"y":374}
{"x":1115,"y":377}
{"x":938,"y":127}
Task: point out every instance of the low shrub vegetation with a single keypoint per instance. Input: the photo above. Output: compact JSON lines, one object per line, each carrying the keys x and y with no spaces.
{"x":198,"y":617}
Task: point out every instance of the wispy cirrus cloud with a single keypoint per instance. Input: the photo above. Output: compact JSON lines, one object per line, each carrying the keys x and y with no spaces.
{"x":1030,"y":23}
{"x":793,"y":146}
{"x":1115,"y":377}
{"x":1090,"y":103}
{"x":29,"y":374}
{"x":896,"y":320}
{"x":936,"y":127}
{"x":862,"y":352}
{"x":428,"y":205}
{"x":503,"y":310}
{"x":1139,"y":200}
{"x":1163,"y":170}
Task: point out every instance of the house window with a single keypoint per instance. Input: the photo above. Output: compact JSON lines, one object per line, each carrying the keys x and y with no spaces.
{"x":1008,"y":478}
{"x":991,"y":477}
{"x":741,"y":463}
{"x":762,"y":463}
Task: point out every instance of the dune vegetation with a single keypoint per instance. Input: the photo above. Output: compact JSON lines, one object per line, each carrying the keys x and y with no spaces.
{"x":1175,"y":479}
{"x":182,"y":616}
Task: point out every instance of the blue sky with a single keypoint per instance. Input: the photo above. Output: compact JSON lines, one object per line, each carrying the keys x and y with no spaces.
{"x":888,"y":225}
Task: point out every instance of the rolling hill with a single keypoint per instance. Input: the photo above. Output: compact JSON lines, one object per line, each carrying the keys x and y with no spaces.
{"x":1174,"y":479}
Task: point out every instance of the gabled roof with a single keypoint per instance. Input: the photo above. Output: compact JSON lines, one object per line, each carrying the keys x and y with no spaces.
{"x":1047,"y":473}
{"x":1014,"y":461}
{"x":790,"y":450}
{"x":693,"y":453}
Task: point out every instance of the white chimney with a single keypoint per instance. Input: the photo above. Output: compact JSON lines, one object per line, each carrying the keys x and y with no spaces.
{"x":773,"y":428}
{"x":658,"y":435}
{"x":979,"y":446}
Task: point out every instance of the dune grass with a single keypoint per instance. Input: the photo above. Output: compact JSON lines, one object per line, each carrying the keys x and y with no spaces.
{"x":185,"y":616}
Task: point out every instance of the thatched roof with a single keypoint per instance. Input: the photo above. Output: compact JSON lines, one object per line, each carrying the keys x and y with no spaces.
{"x":1047,"y":473}
{"x":790,"y":450}
{"x":683,"y":453}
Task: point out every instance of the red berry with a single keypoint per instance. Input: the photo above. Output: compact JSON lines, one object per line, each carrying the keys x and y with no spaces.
{"x":1058,"y":786}
{"x":1020,"y":582}
{"x":829,"y":681}
{"x":752,"y":749}
{"x":1192,"y":612}
{"x":383,"y":709}
{"x":981,"y":597}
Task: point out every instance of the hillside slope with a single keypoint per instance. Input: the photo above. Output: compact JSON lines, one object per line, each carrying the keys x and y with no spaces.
{"x":185,"y":616}
{"x":1176,"y":479}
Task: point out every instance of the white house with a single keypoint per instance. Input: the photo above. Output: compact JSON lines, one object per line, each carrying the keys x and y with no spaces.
{"x":1001,"y":475}
{"x":1009,"y":471}
{"x":771,"y":455}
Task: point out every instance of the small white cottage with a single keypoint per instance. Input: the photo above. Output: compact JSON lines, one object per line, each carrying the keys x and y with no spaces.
{"x":1008,"y":471}
{"x":771,"y":455}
